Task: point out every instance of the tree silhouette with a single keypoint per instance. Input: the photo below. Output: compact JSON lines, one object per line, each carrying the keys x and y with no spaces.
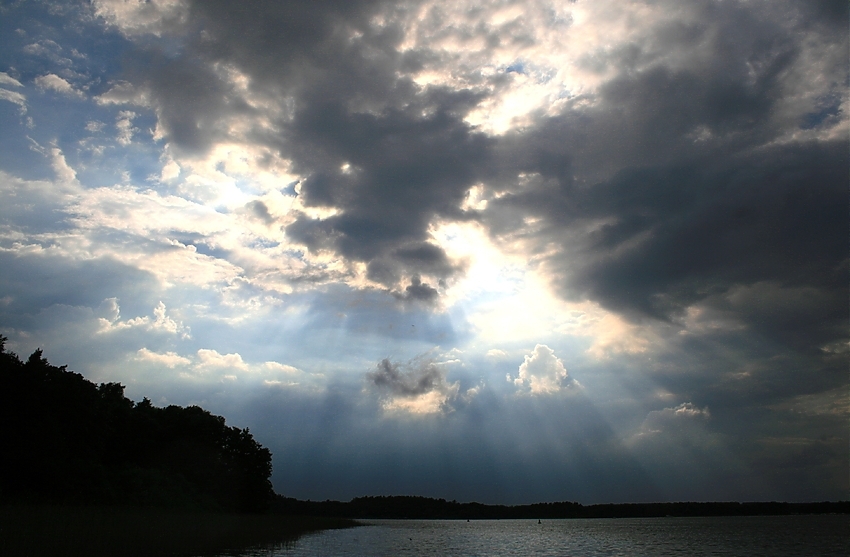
{"x":68,"y":440}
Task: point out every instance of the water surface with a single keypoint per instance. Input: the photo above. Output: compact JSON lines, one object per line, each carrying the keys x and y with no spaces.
{"x":780,"y":536}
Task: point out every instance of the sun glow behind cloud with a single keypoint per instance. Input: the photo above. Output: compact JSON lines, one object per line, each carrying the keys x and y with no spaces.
{"x":360,"y":218}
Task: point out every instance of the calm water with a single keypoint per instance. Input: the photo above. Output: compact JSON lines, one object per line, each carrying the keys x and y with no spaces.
{"x":825,"y":535}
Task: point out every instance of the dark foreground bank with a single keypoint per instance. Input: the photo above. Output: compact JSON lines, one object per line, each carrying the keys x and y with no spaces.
{"x":87,"y":471}
{"x":67,"y":531}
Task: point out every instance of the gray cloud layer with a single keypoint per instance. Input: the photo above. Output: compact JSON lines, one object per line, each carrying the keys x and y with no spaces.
{"x":698,"y":193}
{"x":420,"y":380}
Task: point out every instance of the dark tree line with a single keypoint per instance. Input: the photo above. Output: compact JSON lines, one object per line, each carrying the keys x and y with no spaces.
{"x":64,"y":439}
{"x":424,"y":507}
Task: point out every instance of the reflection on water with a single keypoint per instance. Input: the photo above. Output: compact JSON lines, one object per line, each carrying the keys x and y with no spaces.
{"x":780,"y":536}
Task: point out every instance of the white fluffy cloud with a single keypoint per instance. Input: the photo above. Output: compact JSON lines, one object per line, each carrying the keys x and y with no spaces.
{"x":124,"y":125}
{"x":211,"y":359}
{"x":168,"y":359}
{"x":53,"y":82}
{"x":673,"y":419}
{"x":542,"y":373}
{"x":161,"y":321}
{"x":12,"y":96}
{"x":6,"y":79}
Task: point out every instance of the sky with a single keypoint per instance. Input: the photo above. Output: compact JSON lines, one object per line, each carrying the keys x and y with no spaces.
{"x":503,"y":251}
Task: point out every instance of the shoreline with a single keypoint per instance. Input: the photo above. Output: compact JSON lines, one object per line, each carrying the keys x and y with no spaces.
{"x":414,"y":507}
{"x":34,"y":530}
{"x":97,"y":530}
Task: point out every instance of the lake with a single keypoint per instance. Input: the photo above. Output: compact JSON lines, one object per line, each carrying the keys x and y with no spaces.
{"x":822,"y":535}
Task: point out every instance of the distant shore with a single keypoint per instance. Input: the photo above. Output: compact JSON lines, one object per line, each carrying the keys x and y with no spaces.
{"x":426,"y":508}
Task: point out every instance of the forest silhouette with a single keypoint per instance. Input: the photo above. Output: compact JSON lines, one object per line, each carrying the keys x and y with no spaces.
{"x":67,"y":440}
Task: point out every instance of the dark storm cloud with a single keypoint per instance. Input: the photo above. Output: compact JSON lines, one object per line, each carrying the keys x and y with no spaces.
{"x":674,"y":235}
{"x":405,"y":170}
{"x":673,"y":185}
{"x":676,"y":184}
{"x":419,"y":291}
{"x":417,"y":258}
{"x":699,"y":453}
{"x":422,"y":378}
{"x":653,"y":111}
{"x":259,"y":210}
{"x":424,"y":256}
{"x":678,"y":234}
{"x":708,"y":201}
{"x":193,"y":103}
{"x":389,"y":155}
{"x":829,"y":12}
